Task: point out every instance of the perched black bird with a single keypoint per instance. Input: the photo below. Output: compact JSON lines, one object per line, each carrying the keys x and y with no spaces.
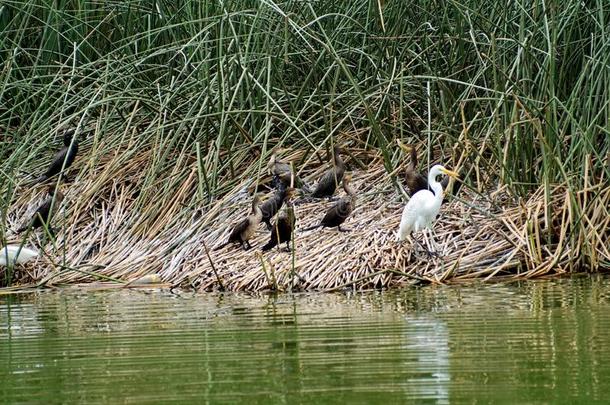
{"x":284,"y":225}
{"x":273,"y":204}
{"x":417,"y":181}
{"x":338,"y":213}
{"x":276,"y":166}
{"x":45,"y":211}
{"x":245,"y":230}
{"x":281,"y":171}
{"x":63,"y":158}
{"x":330,"y":180}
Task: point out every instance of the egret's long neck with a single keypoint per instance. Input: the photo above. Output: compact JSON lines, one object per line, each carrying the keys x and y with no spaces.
{"x":435,"y":186}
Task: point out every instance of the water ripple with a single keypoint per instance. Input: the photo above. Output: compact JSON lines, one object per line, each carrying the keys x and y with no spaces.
{"x":525,"y":342}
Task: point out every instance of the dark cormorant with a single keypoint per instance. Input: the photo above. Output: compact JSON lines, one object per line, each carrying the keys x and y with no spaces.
{"x":274,"y":203}
{"x":246,"y":229}
{"x":330,"y":180}
{"x":46,"y":210}
{"x":339,"y":212}
{"x":63,"y":158}
{"x":276,"y":166}
{"x":282,"y":171}
{"x":284,"y":225}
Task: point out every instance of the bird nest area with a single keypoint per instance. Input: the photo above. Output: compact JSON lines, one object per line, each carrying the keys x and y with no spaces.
{"x":106,"y":234}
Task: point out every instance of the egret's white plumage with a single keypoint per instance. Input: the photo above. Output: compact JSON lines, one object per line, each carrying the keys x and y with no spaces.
{"x":16,"y":254}
{"x":424,"y":206}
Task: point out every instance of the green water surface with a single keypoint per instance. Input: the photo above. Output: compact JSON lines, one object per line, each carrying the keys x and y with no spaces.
{"x":533,"y":342}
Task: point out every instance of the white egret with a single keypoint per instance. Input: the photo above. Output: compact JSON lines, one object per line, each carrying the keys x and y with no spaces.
{"x":424,"y":206}
{"x":16,"y":254}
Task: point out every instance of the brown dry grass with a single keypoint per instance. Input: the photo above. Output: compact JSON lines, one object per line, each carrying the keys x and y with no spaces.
{"x":122,"y":230}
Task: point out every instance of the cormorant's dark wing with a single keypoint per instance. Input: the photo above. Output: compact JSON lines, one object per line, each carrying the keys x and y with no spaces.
{"x":273,"y":239}
{"x":67,"y":154}
{"x":272,"y":205}
{"x":281,"y":232}
{"x":416,"y":182}
{"x":57,"y":162}
{"x":237,"y":231}
{"x":338,"y":213}
{"x":328,"y":183}
{"x":41,"y":216}
{"x":42,"y":213}
{"x":284,"y":228}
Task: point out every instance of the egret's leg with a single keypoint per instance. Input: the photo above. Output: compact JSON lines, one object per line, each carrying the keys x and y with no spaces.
{"x":433,"y":251}
{"x":424,"y":247}
{"x":419,"y":244}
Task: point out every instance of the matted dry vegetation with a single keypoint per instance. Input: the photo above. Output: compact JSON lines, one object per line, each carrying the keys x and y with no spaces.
{"x":107,"y":234}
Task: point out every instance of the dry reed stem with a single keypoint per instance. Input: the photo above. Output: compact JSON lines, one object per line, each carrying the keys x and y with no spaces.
{"x":117,"y":223}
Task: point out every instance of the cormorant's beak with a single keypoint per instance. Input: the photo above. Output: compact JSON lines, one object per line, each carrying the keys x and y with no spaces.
{"x":450,"y":173}
{"x":403,"y":146}
{"x":280,"y":150}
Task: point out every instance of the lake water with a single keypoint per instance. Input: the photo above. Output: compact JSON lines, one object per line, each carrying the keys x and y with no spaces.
{"x":531,"y":342}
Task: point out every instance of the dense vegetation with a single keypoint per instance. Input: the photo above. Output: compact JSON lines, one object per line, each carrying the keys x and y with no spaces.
{"x":519,"y":90}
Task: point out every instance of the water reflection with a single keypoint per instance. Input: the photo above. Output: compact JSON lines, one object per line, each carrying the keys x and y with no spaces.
{"x":428,"y":339}
{"x":526,"y":342}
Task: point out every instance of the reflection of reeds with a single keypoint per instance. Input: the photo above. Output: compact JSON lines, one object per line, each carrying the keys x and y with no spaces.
{"x":478,"y":236}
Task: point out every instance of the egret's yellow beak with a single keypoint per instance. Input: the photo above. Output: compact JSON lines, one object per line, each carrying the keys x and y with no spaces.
{"x":450,"y":173}
{"x":407,"y":148}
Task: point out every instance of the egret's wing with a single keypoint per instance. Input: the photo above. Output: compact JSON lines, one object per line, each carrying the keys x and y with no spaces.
{"x":413,"y":211}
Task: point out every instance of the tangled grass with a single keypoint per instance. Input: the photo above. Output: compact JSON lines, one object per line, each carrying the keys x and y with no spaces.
{"x":478,"y":235}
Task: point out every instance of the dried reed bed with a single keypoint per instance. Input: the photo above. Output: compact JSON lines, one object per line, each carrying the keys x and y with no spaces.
{"x":117,"y":225}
